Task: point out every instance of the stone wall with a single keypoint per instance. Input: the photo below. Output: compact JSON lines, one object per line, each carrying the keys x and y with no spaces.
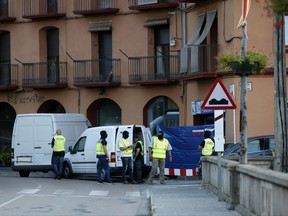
{"x":251,"y":189}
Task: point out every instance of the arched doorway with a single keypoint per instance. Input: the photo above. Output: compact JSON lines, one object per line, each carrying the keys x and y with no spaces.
{"x":51,"y":106}
{"x":161,"y":110}
{"x":104,"y":112}
{"x":7,"y":118}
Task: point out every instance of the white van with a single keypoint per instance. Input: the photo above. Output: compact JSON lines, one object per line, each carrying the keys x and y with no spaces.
{"x":81,"y":158}
{"x":32,"y":136}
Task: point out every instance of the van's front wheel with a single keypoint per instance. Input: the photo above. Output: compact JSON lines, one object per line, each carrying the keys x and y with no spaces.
{"x":67,"y":171}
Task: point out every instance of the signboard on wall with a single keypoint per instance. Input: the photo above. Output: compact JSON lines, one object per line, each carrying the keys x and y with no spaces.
{"x":197,"y":110}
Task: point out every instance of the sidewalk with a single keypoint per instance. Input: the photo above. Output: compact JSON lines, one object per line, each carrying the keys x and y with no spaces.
{"x":180,"y":198}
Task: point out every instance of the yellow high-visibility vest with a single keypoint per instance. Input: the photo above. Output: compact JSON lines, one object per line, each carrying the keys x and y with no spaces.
{"x":100,"y":148}
{"x":208,"y":147}
{"x":142,"y":147}
{"x":59,"y":143}
{"x":159,"y":148}
{"x":126,"y":143}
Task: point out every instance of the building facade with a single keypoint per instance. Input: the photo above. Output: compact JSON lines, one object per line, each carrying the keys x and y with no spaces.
{"x":129,"y":61}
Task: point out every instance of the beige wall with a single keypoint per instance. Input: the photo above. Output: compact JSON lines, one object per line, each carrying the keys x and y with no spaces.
{"x":130,"y":36}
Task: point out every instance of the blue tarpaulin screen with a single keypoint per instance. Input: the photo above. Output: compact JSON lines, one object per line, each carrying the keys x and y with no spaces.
{"x":185,"y":141}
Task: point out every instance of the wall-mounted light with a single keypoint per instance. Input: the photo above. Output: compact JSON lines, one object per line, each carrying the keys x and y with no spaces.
{"x":101,"y":90}
{"x":172,"y":41}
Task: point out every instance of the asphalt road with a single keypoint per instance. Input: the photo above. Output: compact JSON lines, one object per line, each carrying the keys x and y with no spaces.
{"x":39,"y":196}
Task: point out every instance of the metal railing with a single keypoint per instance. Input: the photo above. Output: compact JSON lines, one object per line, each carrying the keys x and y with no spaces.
{"x":199,"y":58}
{"x":42,"y":74}
{"x":8,"y":75}
{"x":7,"y":10}
{"x":92,"y":5}
{"x":97,"y":72}
{"x":43,"y":8}
{"x":140,"y":3}
{"x":153,"y":68}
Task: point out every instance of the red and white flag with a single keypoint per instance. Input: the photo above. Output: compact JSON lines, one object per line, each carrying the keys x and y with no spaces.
{"x":245,"y":10}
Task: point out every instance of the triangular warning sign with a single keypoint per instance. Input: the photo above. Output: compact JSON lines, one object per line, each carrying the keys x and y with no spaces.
{"x":218,"y":98}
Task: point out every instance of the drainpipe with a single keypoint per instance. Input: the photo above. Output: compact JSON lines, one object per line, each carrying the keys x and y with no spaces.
{"x":183,"y":35}
{"x":183,"y":18}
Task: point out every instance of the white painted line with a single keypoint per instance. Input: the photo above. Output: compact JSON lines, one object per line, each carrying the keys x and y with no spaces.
{"x":63,"y":191}
{"x":132,"y":194}
{"x":98,"y":193}
{"x":28,"y":191}
{"x":10,"y":201}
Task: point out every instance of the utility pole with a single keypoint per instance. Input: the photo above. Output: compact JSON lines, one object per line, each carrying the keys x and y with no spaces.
{"x":243,"y":100}
{"x":280,"y":96}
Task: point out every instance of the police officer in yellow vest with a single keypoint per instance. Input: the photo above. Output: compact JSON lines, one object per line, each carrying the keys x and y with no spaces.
{"x":138,"y":159}
{"x":126,"y":150}
{"x":58,"y":145}
{"x":207,"y":148}
{"x":103,"y":158}
{"x":157,"y":152}
{"x":207,"y":145}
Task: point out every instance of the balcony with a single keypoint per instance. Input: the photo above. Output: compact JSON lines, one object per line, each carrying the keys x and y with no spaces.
{"x":43,"y":9}
{"x":45,"y":75}
{"x":97,"y":73}
{"x":152,"y":4}
{"x":154,"y":70}
{"x":8,"y":76}
{"x":187,"y":1}
{"x":7,"y":11}
{"x":198,"y":60}
{"x":90,"y":7}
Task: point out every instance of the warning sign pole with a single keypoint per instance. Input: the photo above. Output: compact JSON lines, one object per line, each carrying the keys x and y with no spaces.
{"x":219,"y":145}
{"x":219,"y":99}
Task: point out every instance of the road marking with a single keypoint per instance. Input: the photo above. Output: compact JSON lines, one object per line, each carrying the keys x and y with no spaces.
{"x":28,"y":191}
{"x":63,"y":191}
{"x":132,"y":194}
{"x":98,"y":193}
{"x":10,"y":201}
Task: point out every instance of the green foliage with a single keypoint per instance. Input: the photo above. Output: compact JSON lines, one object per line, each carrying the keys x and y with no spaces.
{"x":279,"y":6}
{"x":5,"y":155}
{"x":225,"y":59}
{"x":258,"y":59}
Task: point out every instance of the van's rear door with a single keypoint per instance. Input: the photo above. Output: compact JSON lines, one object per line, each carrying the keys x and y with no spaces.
{"x":120,"y":130}
{"x":146,"y":142}
{"x":22,"y":141}
{"x":32,"y":140}
{"x":42,"y":140}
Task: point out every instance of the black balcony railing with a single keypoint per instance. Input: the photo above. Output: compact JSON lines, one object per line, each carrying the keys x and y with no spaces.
{"x":98,"y":72}
{"x":154,"y":69}
{"x":152,"y":4}
{"x":51,"y":74}
{"x":188,"y":1}
{"x":43,"y":9}
{"x":8,"y":76}
{"x":88,"y":7}
{"x":199,"y":59}
{"x":7,"y":11}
